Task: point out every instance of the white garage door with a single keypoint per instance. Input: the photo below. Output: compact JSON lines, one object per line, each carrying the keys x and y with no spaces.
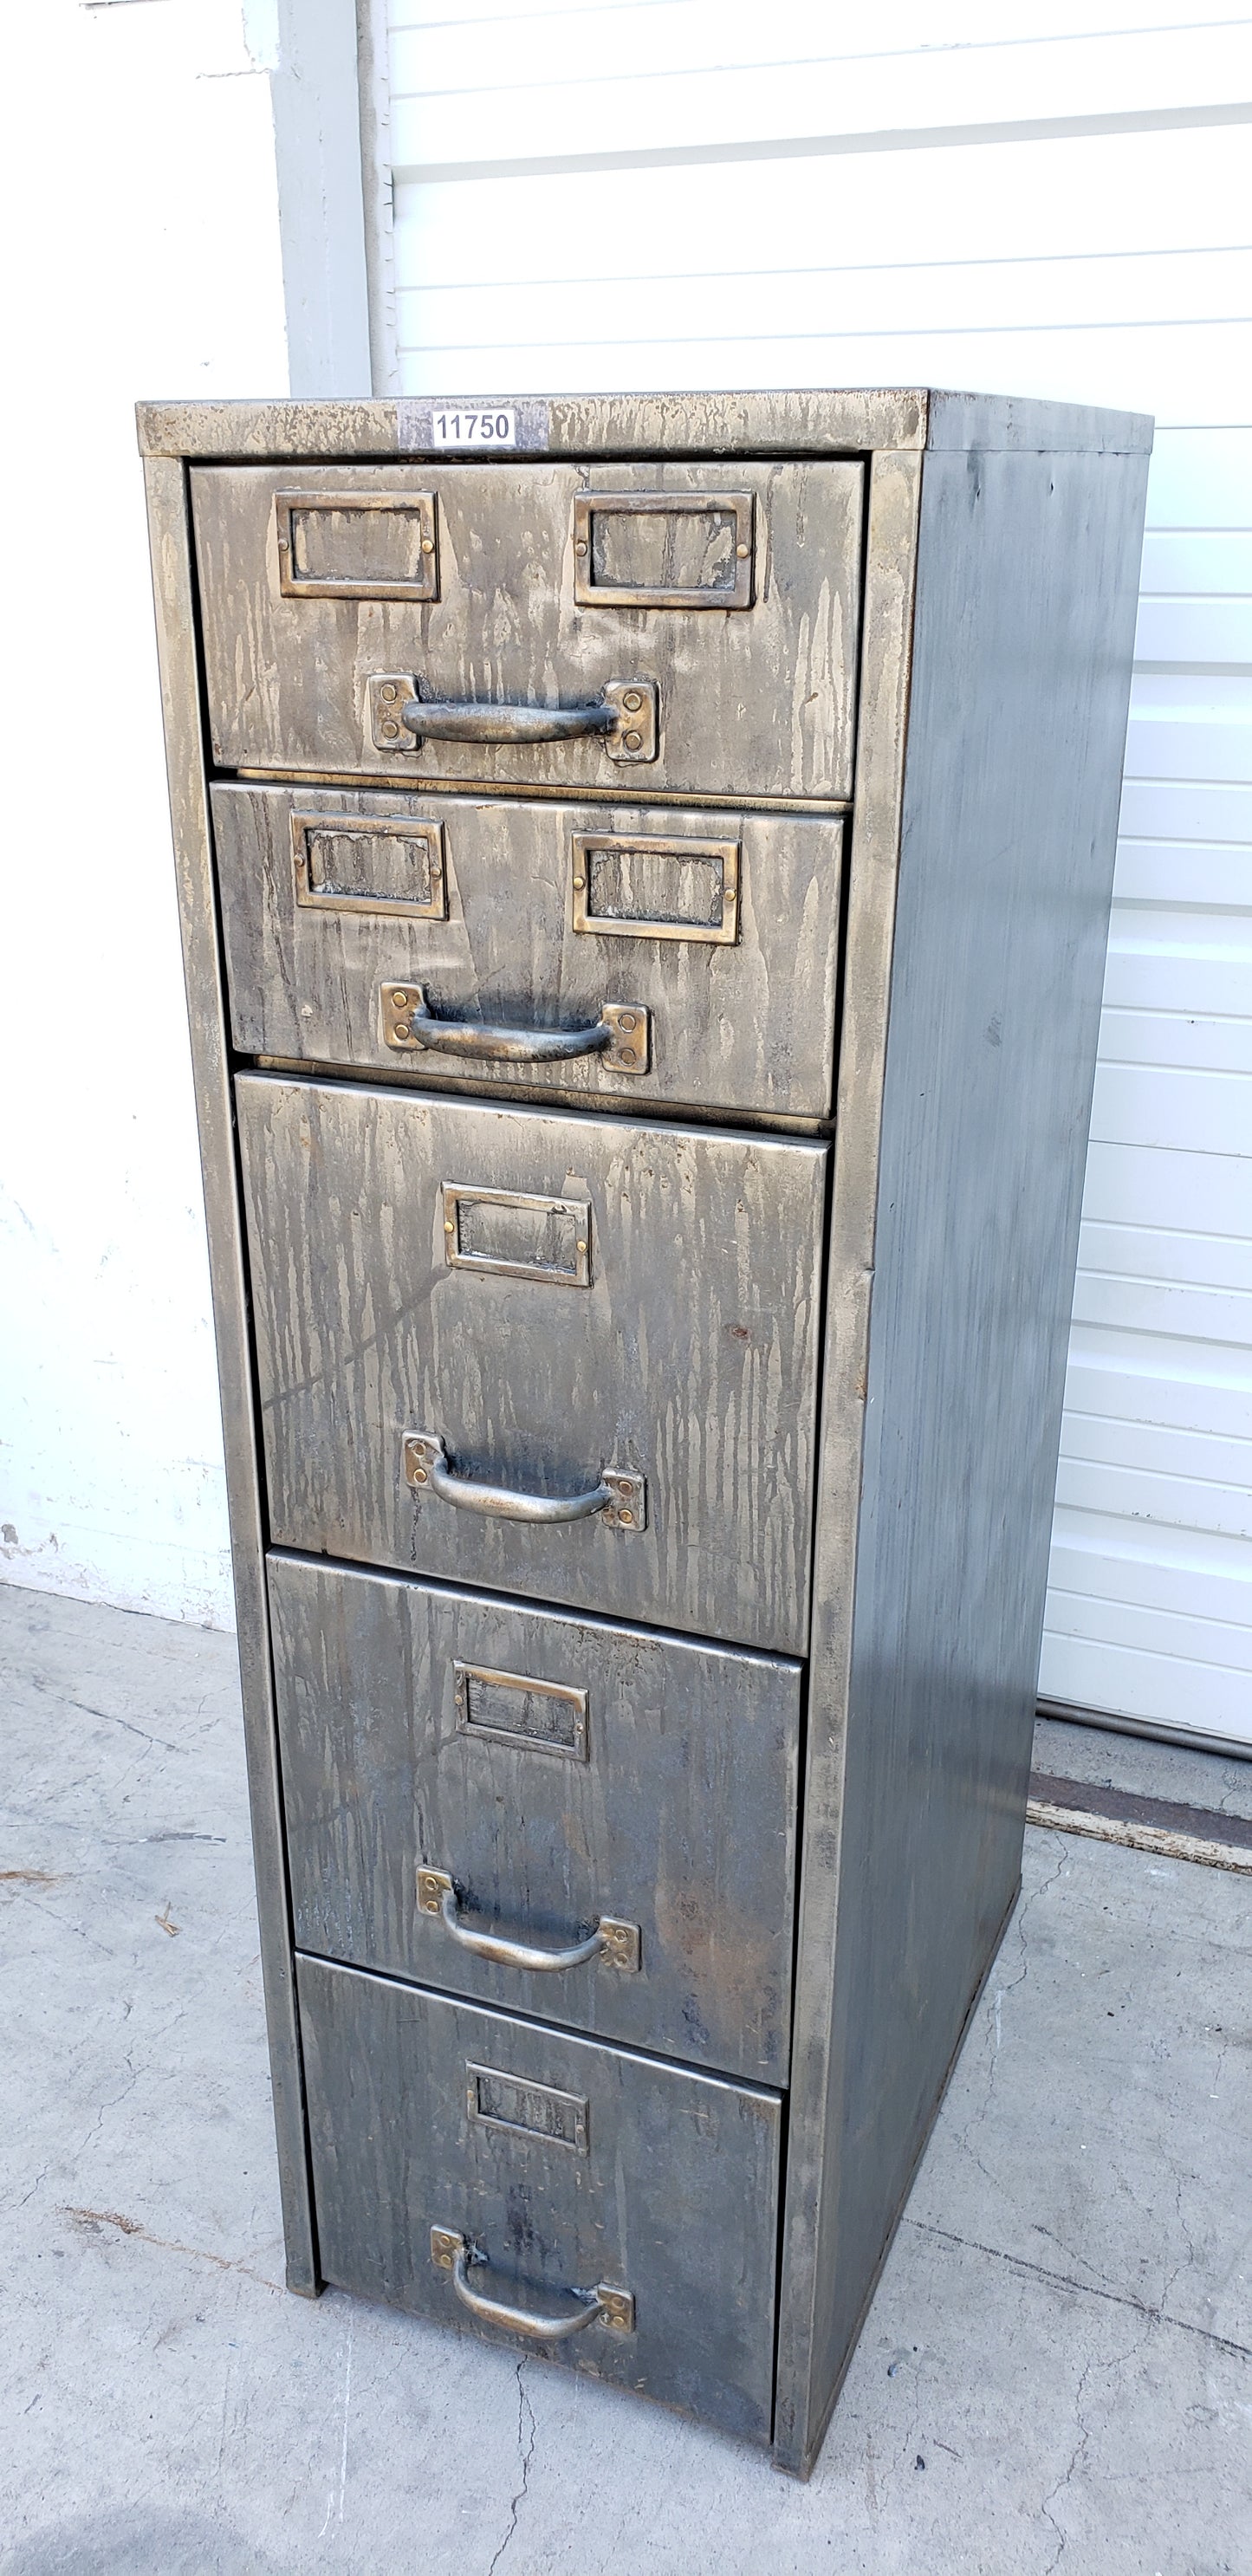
{"x":1048,"y":201}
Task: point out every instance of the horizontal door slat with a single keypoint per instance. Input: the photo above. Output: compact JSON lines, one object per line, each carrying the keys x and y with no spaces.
{"x":642,"y":107}
{"x":1168,"y":1686}
{"x":1056,"y":200}
{"x":1220,"y":1457}
{"x":913,"y":296}
{"x":1200,"y":1113}
{"x":1154,"y":1498}
{"x":1204,"y":1036}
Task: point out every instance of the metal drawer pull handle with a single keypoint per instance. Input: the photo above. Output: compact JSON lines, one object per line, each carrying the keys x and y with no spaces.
{"x":622,"y":1499}
{"x":617,"y":1943}
{"x":449,"y":2252}
{"x":624,"y":716}
{"x":621,"y":1034}
{"x":476,"y":720}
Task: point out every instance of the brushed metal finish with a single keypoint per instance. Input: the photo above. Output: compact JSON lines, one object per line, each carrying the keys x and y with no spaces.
{"x":994,"y":640}
{"x":759,"y":703}
{"x":975,"y":987}
{"x":734,"y":423}
{"x":691,"y":1359}
{"x":676,"y":2195}
{"x":745,"y":1025}
{"x":892,"y":514}
{"x":559,"y":1768}
{"x":169,"y":537}
{"x":449,"y":2252}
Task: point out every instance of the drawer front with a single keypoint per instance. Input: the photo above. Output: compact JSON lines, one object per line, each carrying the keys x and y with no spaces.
{"x":560,"y":1774}
{"x":721,"y":927}
{"x":560,"y":2166}
{"x":581,"y":1315}
{"x":323,"y":587}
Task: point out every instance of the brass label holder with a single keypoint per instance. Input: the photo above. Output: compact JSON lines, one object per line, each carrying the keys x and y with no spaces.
{"x":737,"y":507}
{"x":586,"y":847}
{"x":292,"y":509}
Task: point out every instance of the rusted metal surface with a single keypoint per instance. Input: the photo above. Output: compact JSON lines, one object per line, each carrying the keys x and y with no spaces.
{"x":1162,"y":1825}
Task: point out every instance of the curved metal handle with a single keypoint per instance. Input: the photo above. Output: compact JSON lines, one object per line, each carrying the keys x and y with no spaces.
{"x":622,"y":1034}
{"x":622,"y":1499}
{"x":617,"y":1943}
{"x":505,"y":720}
{"x":399,"y":718}
{"x":508,"y":1046}
{"x":449,"y":2252}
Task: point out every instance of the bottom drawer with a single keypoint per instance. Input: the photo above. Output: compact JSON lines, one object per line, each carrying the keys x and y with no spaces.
{"x":552,"y":2169}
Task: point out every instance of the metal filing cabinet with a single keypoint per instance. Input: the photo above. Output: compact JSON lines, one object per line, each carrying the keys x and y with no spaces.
{"x":644,"y":886}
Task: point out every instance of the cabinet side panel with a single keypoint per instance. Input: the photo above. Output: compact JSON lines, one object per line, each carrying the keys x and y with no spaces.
{"x":169,"y":536}
{"x":1027,"y":572}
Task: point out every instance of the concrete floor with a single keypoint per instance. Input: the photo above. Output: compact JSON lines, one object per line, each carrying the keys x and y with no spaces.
{"x":1057,"y":2367}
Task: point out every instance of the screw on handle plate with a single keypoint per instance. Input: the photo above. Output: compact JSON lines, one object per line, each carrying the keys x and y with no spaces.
{"x":399,"y":718}
{"x":621,"y":1037}
{"x":620,"y":1500}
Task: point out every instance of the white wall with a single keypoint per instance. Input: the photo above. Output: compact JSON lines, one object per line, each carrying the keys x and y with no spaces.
{"x":1050,"y":199}
{"x":142,"y":218}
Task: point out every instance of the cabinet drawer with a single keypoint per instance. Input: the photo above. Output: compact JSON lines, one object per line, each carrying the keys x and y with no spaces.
{"x":560,"y":1774}
{"x":719,"y":929}
{"x":611,"y":1328}
{"x":559,"y":2167}
{"x":717,"y":605}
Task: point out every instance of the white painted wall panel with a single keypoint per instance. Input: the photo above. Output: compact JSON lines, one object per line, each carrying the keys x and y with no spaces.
{"x":1056,"y":202}
{"x":144,"y":274}
{"x":696,"y":32}
{"x":1136,"y":193}
{"x":472,"y":109}
{"x":1111,"y":265}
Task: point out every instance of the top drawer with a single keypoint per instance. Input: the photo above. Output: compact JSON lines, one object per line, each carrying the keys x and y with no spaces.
{"x":694,"y":626}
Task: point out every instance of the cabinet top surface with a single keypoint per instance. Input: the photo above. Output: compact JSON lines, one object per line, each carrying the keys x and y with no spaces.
{"x":582,"y":425}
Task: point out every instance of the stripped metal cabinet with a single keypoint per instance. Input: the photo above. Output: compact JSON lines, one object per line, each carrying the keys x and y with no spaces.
{"x":644,"y":881}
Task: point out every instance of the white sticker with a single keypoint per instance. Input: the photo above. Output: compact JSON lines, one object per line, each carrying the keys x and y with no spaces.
{"x":474,"y":428}
{"x":427,"y":422}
